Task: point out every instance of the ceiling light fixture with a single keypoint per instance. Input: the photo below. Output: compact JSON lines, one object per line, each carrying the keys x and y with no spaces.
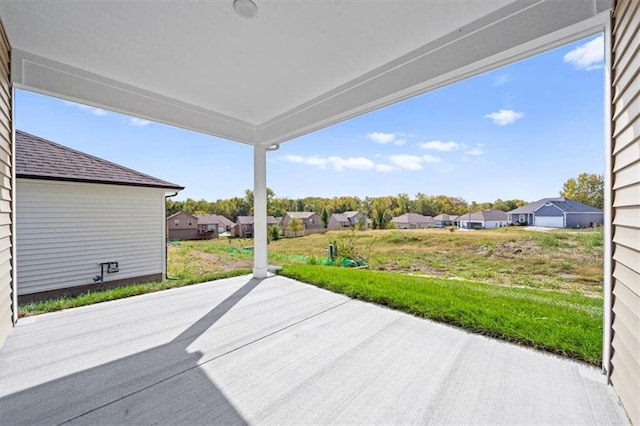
{"x":245,"y":9}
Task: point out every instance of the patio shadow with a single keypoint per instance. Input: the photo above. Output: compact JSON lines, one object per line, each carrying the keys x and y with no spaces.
{"x":158,"y":386}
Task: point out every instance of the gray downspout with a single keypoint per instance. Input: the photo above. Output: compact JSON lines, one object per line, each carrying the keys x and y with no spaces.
{"x":166,"y":235}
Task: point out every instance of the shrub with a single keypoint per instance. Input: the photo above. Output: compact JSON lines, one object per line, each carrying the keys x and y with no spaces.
{"x":273,"y":233}
{"x":348,"y":246}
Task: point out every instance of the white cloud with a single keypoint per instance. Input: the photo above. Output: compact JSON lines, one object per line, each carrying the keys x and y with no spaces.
{"x":475,"y":151}
{"x":385,"y":168}
{"x":385,"y":138}
{"x":430,"y":159}
{"x":312,"y":161}
{"x":501,"y":79}
{"x":400,"y":161}
{"x":412,"y":162}
{"x":380,"y":137}
{"x":359,"y":163}
{"x":408,"y":162}
{"x":339,"y":163}
{"x":589,"y":56}
{"x":93,"y":110}
{"x":505,"y":116}
{"x":138,"y":122}
{"x":440,"y":146}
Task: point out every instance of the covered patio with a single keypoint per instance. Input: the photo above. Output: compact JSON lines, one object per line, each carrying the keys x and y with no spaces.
{"x":277,"y":351}
{"x":297,"y":67}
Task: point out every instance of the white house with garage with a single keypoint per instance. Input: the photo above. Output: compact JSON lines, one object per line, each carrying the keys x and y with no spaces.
{"x":557,"y":213}
{"x":84,"y":223}
{"x":484,"y":219}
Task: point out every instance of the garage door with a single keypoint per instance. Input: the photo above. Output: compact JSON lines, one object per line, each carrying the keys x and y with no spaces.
{"x":549,"y":221}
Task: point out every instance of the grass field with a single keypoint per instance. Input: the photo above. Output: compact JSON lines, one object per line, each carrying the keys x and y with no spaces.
{"x":564,"y":260}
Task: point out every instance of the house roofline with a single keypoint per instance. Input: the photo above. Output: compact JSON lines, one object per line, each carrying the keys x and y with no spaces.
{"x":104,"y":182}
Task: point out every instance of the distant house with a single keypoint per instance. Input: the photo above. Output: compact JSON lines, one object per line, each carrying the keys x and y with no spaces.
{"x":244,"y":226}
{"x":413,"y":221}
{"x":223,"y":224}
{"x":443,"y":220}
{"x":208,"y":226}
{"x":84,"y":223}
{"x":484,"y":219}
{"x":557,"y":213}
{"x":182,"y":226}
{"x":310,"y":220}
{"x":348,"y":220}
{"x":187,"y":226}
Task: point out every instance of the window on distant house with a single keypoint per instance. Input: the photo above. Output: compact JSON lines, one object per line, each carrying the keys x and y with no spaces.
{"x":176,"y":222}
{"x":190,"y":222}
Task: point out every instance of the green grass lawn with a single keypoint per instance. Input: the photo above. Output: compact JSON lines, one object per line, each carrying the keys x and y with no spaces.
{"x":59,"y":304}
{"x":564,"y":260}
{"x":569,"y":324}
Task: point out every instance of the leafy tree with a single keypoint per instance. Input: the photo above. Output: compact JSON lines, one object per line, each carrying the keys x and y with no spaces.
{"x":295,"y":225}
{"x":508,"y":205}
{"x":404,"y":204}
{"x":586,"y":189}
{"x":325,"y":217}
{"x":362,"y":223}
{"x":424,"y":205}
{"x":248,"y":199}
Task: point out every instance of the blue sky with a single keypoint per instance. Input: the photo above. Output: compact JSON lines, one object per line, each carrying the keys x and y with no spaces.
{"x":517,"y":132}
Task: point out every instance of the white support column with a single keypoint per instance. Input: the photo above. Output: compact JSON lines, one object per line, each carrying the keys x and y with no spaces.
{"x":259,"y":212}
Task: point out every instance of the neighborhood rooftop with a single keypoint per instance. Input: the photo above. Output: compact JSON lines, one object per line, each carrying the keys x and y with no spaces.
{"x":412,"y":217}
{"x":564,"y":204}
{"x":248,"y":220}
{"x":300,"y":215}
{"x":489,"y":214}
{"x":42,"y":159}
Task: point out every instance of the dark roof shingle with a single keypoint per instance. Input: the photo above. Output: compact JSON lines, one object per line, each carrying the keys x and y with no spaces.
{"x":412,"y":218}
{"x":42,"y":159}
{"x":564,"y":204}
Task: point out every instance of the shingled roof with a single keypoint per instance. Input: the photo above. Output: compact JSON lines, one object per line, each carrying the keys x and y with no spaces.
{"x":564,"y":204}
{"x":484,"y":215}
{"x":39,"y":158}
{"x":412,"y":218}
{"x":248,"y":220}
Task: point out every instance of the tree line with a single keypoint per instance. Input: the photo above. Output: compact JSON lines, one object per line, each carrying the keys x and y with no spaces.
{"x":380,"y":209}
{"x":586,"y":188}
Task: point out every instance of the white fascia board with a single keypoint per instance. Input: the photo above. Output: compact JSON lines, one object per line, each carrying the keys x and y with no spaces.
{"x":496,"y":40}
{"x":42,"y":75}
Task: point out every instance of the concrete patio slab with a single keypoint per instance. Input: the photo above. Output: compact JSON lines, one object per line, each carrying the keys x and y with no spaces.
{"x":277,"y":351}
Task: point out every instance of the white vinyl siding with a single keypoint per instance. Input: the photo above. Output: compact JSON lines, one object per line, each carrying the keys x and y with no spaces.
{"x":6,"y":191}
{"x":66,"y":229}
{"x":625,"y":109}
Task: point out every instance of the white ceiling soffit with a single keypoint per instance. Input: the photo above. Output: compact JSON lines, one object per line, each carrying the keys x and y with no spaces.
{"x":297,"y":67}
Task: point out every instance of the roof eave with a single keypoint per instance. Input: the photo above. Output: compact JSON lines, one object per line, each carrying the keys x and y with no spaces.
{"x":96,"y":181}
